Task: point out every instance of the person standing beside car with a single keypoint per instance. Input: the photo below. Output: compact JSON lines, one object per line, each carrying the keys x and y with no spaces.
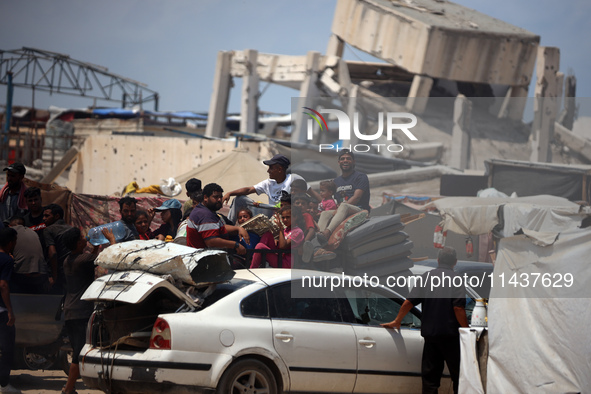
{"x":12,"y":194}
{"x":30,"y":273}
{"x":79,"y":273}
{"x":53,"y":217}
{"x":443,"y":314}
{"x":8,"y":237}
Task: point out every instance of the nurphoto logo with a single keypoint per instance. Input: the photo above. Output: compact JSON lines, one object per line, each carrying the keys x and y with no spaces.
{"x":391,"y":119}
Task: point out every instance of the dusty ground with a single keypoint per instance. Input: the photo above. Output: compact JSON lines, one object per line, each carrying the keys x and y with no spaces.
{"x":44,"y":382}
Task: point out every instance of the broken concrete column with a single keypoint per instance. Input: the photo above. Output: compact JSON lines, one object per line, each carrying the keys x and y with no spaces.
{"x":308,"y":93}
{"x":335,"y":47}
{"x":559,"y":91}
{"x":351,"y":109}
{"x":542,"y":132}
{"x":218,"y":106}
{"x":567,"y":117}
{"x":250,"y":94}
{"x":419,"y":94}
{"x":460,"y":140}
{"x":514,"y":103}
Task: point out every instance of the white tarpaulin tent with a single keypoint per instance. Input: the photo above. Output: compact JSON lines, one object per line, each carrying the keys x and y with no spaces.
{"x":232,"y":170}
{"x":539,"y":314}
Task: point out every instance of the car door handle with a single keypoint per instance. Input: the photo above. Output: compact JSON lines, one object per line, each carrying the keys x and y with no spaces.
{"x":283,"y":336}
{"x":368,"y":343}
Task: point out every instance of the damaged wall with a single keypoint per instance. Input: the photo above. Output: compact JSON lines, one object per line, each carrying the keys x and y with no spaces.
{"x":107,"y":163}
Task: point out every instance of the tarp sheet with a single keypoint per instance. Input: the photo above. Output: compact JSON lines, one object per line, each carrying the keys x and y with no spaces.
{"x":88,"y":211}
{"x":538,"y":332}
{"x":539,"y":338}
{"x":474,"y":216}
{"x":232,"y":170}
{"x":510,"y":176}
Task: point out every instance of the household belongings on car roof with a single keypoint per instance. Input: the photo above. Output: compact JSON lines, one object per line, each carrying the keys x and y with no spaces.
{"x":541,"y":278}
{"x":195,"y":267}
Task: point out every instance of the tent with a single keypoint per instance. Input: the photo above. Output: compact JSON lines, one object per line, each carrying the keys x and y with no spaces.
{"x":233,"y":170}
{"x":538,"y":315}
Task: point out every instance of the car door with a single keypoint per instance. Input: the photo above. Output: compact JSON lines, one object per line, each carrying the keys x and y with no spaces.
{"x":316,"y":345}
{"x":389,"y":361}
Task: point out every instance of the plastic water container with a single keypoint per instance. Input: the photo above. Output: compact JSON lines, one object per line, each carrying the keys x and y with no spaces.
{"x":95,"y":235}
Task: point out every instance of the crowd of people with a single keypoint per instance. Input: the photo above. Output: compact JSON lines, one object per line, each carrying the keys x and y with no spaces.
{"x":40,"y":253}
{"x":295,"y":208}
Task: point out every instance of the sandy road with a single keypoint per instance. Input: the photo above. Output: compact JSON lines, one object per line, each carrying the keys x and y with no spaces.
{"x":44,"y":382}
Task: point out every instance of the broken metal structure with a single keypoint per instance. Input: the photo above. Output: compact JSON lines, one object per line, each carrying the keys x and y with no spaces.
{"x":58,"y":73}
{"x":53,"y":72}
{"x":422,"y":42}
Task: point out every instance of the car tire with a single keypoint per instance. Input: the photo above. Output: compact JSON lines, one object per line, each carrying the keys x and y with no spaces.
{"x":65,"y":360}
{"x":247,"y":376}
{"x":34,"y":361}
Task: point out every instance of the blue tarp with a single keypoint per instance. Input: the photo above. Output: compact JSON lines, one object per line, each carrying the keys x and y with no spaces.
{"x":122,"y":112}
{"x":179,"y":114}
{"x":115,"y":111}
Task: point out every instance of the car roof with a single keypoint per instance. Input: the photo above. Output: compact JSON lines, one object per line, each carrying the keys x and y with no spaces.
{"x":273,"y":276}
{"x":470,"y":268}
{"x":461,"y":266}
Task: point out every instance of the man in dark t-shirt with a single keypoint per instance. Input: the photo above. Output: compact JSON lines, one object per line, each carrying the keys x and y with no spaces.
{"x":79,"y":274}
{"x":53,"y":216}
{"x":352,"y":185}
{"x":443,"y":301}
{"x":34,"y":216}
{"x":352,"y":196}
{"x":8,"y":237}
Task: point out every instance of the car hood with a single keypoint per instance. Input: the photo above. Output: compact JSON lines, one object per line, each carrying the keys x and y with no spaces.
{"x":131,"y":287}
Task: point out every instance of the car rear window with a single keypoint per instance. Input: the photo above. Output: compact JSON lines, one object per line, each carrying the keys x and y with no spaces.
{"x":223,"y":289}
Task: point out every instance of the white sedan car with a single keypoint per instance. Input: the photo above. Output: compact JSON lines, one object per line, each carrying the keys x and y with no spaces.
{"x":250,"y":335}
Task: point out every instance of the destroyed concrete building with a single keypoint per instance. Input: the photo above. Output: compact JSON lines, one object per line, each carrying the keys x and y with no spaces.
{"x":464,"y":74}
{"x":430,"y":49}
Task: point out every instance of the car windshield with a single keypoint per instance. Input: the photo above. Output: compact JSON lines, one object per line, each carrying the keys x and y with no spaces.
{"x":223,"y":289}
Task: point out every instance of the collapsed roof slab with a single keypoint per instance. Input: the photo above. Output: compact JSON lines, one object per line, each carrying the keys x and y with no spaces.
{"x":439,"y":39}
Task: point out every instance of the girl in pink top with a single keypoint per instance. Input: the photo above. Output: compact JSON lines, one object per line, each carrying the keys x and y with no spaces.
{"x":290,"y":237}
{"x":327,"y":191}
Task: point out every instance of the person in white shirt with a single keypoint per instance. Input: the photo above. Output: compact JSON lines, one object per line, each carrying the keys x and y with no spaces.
{"x":279,"y":180}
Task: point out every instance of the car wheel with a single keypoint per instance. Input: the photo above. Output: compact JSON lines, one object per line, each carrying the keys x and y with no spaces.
{"x":35,"y":361}
{"x":249,"y":377}
{"x":65,"y":360}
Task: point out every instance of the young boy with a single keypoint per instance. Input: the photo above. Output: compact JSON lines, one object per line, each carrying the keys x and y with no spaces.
{"x":302,"y":201}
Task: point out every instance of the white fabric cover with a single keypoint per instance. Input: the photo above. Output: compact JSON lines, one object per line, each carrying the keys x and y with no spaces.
{"x":538,"y":336}
{"x":470,"y":380}
{"x":475,"y":216}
